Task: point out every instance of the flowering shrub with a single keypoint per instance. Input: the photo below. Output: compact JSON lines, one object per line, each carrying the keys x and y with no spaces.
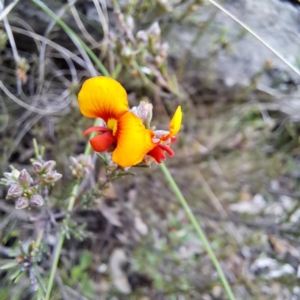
{"x":127,"y":140}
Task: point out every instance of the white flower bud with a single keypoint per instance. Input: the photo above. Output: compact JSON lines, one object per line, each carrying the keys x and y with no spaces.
{"x":154,"y":30}
{"x":37,"y":167}
{"x":164,"y":48}
{"x":142,"y":36}
{"x":13,"y":175}
{"x":49,"y":165}
{"x":126,"y":51}
{"x":14,"y":191}
{"x":129,"y":23}
{"x":73,"y":160}
{"x":143,"y":111}
{"x":7,"y":175}
{"x":24,"y":178}
{"x":36,"y":201}
{"x":21,"y":203}
{"x":159,"y":60}
{"x":52,"y":177}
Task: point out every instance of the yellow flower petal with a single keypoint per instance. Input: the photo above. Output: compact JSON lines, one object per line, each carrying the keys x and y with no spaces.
{"x":133,"y":141}
{"x":102,"y":97}
{"x":176,"y":122}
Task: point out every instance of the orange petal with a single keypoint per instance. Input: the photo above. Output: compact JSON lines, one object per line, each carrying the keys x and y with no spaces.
{"x":176,"y":122}
{"x":102,"y":142}
{"x":102,"y":97}
{"x":133,"y":141}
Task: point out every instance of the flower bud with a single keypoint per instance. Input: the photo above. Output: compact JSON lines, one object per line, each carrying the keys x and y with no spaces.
{"x":158,"y":61}
{"x":36,"y":201}
{"x":7,"y":175}
{"x":73,"y":160}
{"x":154,"y":30}
{"x":129,"y":21}
{"x":81,"y":165}
{"x":52,"y":177}
{"x":24,"y":178}
{"x":37,"y":167}
{"x":21,"y":203}
{"x":126,"y":51}
{"x":143,"y":111}
{"x":14,"y":191}
{"x":86,"y":161}
{"x":163,"y":51}
{"x":49,"y":165}
{"x":142,"y":36}
{"x":13,"y":175}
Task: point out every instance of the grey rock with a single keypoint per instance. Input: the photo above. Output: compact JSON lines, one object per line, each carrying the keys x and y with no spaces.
{"x":274,"y":21}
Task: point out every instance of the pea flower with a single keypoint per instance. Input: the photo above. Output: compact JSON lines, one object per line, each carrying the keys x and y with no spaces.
{"x":163,"y":139}
{"x":125,"y":135}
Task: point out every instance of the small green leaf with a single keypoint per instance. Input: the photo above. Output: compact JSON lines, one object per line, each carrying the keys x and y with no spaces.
{"x":85,"y":260}
{"x":76,"y":272}
{"x":19,"y":277}
{"x":9,"y":265}
{"x":15,"y":275}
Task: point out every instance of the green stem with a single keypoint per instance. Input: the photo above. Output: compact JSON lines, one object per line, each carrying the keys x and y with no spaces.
{"x":36,"y":148}
{"x":86,"y":48}
{"x":198,"y":229}
{"x":62,"y":236}
{"x":54,"y":265}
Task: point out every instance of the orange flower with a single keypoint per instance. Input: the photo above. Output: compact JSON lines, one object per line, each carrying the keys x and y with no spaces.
{"x":125,"y":135}
{"x":105,"y":98}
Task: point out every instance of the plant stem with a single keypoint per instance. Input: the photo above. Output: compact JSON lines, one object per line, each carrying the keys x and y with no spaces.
{"x":86,"y":48}
{"x":198,"y":229}
{"x":54,"y":265}
{"x":62,"y":237}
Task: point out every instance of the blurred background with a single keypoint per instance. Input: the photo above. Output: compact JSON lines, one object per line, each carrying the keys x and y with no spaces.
{"x":236,"y":162}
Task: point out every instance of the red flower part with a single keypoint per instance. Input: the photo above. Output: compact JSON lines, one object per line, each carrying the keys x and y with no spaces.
{"x":158,"y":152}
{"x":96,"y":128}
{"x":102,"y":141}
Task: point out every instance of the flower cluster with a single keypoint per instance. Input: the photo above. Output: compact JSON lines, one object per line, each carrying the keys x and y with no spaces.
{"x":127,"y":135}
{"x":81,"y":165}
{"x":25,"y":189}
{"x":144,"y":47}
{"x":45,"y":171}
{"x":152,"y":39}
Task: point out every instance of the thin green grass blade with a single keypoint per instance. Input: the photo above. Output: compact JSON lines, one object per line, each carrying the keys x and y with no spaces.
{"x":198,"y":229}
{"x":86,"y":48}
